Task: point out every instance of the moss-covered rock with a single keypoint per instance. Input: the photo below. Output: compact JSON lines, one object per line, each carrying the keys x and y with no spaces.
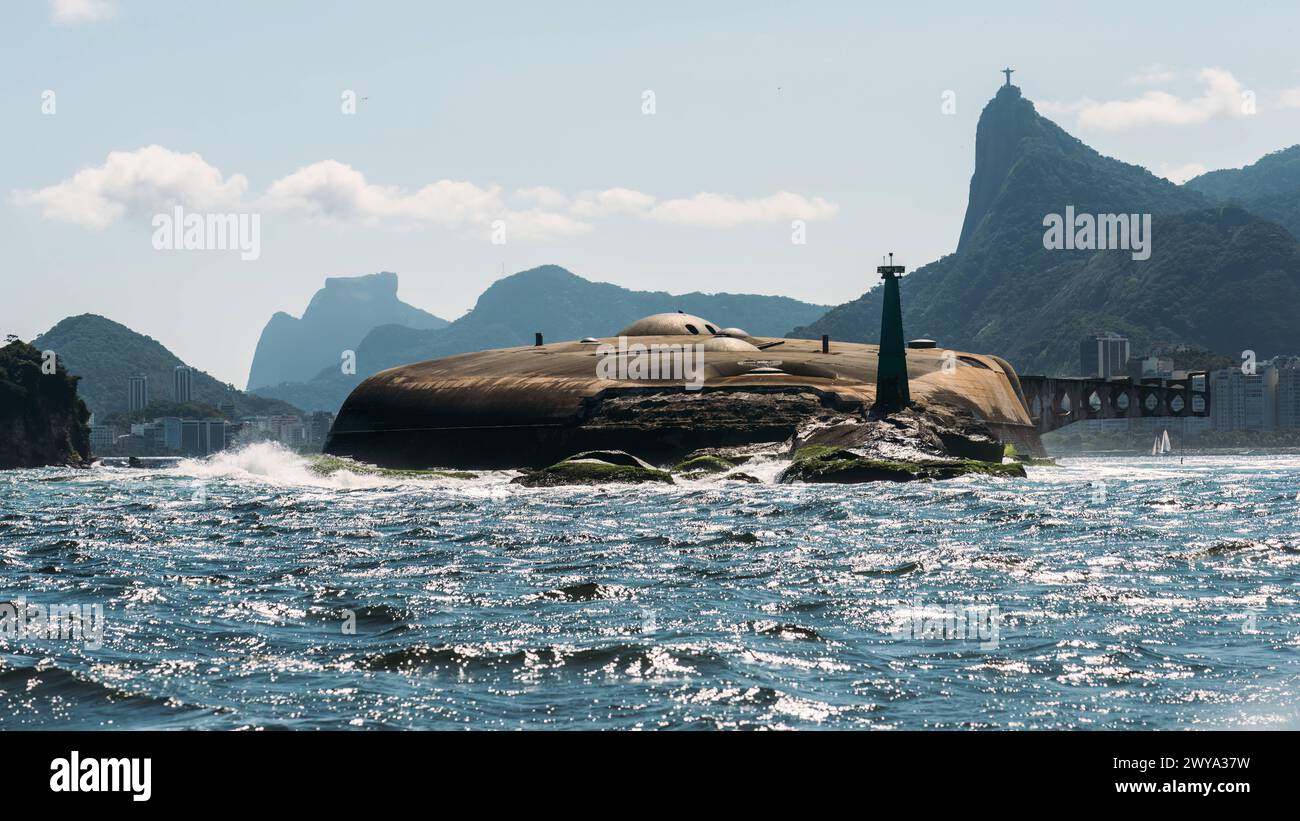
{"x":1038,"y":461}
{"x":594,"y":468}
{"x":703,"y":464}
{"x":325,"y":465}
{"x":737,"y":455}
{"x":826,"y":463}
{"x":1010,"y":452}
{"x":611,"y":457}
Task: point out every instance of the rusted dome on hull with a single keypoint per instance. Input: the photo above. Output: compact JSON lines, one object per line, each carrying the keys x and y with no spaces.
{"x":670,"y":324}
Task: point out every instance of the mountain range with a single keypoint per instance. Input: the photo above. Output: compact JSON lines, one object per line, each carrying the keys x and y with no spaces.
{"x":548,"y":300}
{"x":1222,"y":275}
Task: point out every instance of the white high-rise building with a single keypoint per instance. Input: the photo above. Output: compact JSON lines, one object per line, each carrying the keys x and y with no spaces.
{"x":1105,"y":355}
{"x":102,"y":438}
{"x":183,"y":382}
{"x":1240,"y":401}
{"x":1288,"y":393}
{"x":137,"y":393}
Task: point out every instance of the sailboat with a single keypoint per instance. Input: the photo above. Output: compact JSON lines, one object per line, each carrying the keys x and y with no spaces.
{"x":1161,"y":446}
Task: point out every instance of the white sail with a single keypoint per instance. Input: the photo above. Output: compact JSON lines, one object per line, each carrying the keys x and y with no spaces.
{"x":1164,"y":443}
{"x":1155,"y":446}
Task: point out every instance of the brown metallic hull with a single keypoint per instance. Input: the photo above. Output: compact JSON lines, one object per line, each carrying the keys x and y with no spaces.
{"x":531,"y":406}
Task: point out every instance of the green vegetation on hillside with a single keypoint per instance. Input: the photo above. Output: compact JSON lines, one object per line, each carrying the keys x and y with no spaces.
{"x":158,"y":409}
{"x":1192,"y":359}
{"x":1269,"y":187}
{"x":104,"y":354}
{"x":42,"y":420}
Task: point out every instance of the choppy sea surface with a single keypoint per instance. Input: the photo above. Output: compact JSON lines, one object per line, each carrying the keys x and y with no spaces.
{"x":244,"y":591}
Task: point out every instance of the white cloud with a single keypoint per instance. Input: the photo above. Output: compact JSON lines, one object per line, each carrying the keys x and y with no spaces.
{"x":1290,"y":98}
{"x":1181,"y":173}
{"x":542,"y":196}
{"x":724,"y":210}
{"x":71,"y":12}
{"x":1152,"y":75}
{"x":154,"y":178}
{"x":611,"y":202}
{"x":143,"y":181}
{"x":1222,"y":96}
{"x":537,"y":224}
{"x":335,"y":190}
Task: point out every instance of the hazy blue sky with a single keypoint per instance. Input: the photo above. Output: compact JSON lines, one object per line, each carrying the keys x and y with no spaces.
{"x":533,"y":114}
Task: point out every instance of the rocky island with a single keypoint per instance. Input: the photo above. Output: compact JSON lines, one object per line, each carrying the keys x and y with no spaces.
{"x":42,"y":420}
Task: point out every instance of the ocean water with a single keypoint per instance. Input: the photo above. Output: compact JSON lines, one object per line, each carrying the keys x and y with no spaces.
{"x":244,"y":591}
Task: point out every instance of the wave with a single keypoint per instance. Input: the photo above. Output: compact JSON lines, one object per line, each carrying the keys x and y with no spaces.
{"x":636,"y":658}
{"x":52,"y":695}
{"x":272,"y":463}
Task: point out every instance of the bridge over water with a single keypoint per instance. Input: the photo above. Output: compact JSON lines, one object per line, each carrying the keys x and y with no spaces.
{"x":1055,"y":402}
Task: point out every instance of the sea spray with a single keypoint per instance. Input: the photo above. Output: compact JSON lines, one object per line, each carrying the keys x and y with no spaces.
{"x":272,"y":463}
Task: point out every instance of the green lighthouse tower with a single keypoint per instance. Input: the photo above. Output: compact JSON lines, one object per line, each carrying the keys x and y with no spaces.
{"x":891,"y":371}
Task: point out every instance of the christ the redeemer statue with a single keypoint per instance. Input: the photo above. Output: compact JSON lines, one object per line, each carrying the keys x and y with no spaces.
{"x":1008,"y":72}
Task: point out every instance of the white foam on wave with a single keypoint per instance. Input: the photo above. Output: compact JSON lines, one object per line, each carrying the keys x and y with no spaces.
{"x":766,"y":467}
{"x":1075,"y":469}
{"x":1228,"y":470}
{"x":272,"y":463}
